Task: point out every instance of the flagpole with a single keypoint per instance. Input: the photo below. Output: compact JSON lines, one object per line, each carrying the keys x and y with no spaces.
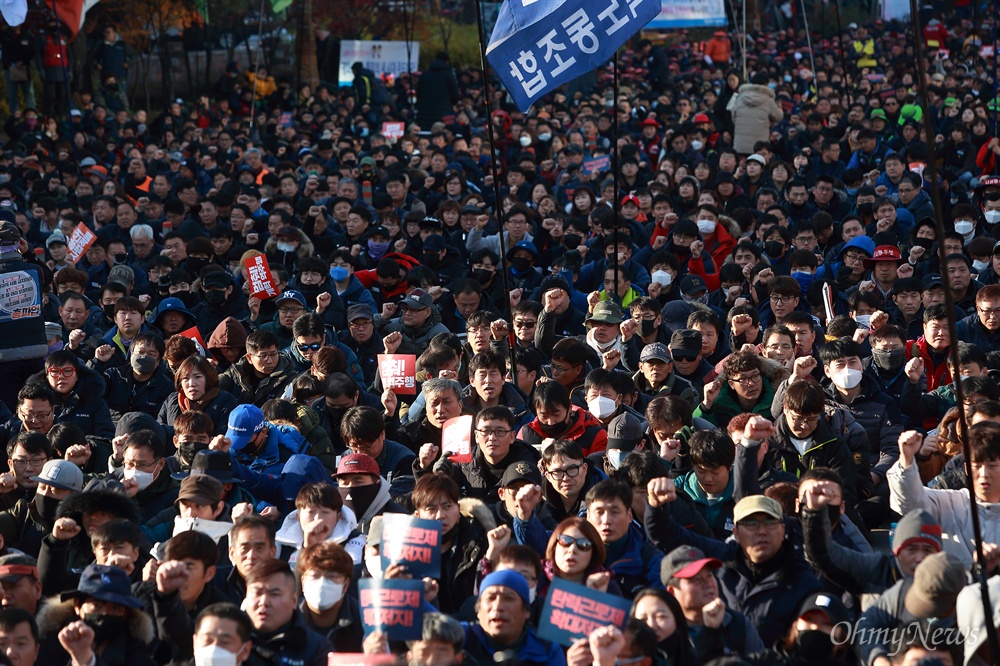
{"x":979,"y":570}
{"x":848,"y":85}
{"x":809,"y":42}
{"x":256,"y":66}
{"x":508,"y":311}
{"x":616,"y":204}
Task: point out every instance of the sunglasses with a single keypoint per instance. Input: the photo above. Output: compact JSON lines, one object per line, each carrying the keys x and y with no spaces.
{"x":684,"y":358}
{"x":316,"y":346}
{"x":566,"y":541}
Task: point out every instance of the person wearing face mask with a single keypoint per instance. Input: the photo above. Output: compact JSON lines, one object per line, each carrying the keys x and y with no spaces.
{"x":364,"y":490}
{"x":220,"y":300}
{"x":100,"y":622}
{"x":222,"y":636}
{"x":558,"y":418}
{"x":376,"y":246}
{"x":30,"y":520}
{"x":258,"y":445}
{"x":144,"y":469}
{"x":817,"y":637}
{"x":325,"y":572}
{"x":287,"y":247}
{"x":345,"y":285}
{"x":144,"y":384}
{"x":626,"y":434}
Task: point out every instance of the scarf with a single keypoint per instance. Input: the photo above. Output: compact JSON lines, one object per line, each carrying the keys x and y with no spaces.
{"x":200,"y":405}
{"x":601,"y":350}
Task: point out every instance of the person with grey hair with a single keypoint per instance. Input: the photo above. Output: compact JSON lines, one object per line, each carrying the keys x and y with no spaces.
{"x":443,"y":398}
{"x":349,"y":189}
{"x":144,"y":246}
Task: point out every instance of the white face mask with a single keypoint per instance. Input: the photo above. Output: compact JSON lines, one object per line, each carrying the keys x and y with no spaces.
{"x":374,"y":566}
{"x":286,"y":247}
{"x":662,"y":278}
{"x":544,"y":136}
{"x":706,"y":226}
{"x":532,"y":593}
{"x":602,"y":407}
{"x":524,"y":140}
{"x":979,"y":265}
{"x":214,"y":655}
{"x":697,"y":145}
{"x":963,"y":227}
{"x":144,"y":479}
{"x":322,"y":594}
{"x":992,"y":216}
{"x":863,"y":320}
{"x":616,"y":456}
{"x":847,"y":378}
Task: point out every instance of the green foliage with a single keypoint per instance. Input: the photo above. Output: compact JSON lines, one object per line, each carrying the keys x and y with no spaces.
{"x":463,"y":45}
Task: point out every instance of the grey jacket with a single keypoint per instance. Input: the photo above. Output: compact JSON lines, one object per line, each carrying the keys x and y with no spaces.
{"x":754,"y":113}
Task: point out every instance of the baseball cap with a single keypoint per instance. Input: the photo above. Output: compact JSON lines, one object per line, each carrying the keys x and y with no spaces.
{"x":624,"y":432}
{"x":606,"y":312}
{"x":244,"y":422}
{"x":418,"y":299}
{"x":830,"y":606}
{"x":291,"y":295}
{"x":55,"y":237}
{"x":632,"y":199}
{"x":122,"y":275}
{"x":701,"y":118}
{"x":932,"y":281}
{"x":61,"y":474}
{"x":757,"y":504}
{"x":359,"y":311}
{"x":216,"y":280}
{"x":201,"y":489}
{"x":288,"y":232}
{"x":357,"y":463}
{"x":105,"y":583}
{"x":758,"y":159}
{"x":649,"y":122}
{"x":520,"y":472}
{"x":685,"y":341}
{"x":692,"y":284}
{"x":526,"y":245}
{"x":877,"y":113}
{"x":937,"y":581}
{"x":685,"y":562}
{"x":885,"y":253}
{"x":15,"y":565}
{"x":656,"y":351}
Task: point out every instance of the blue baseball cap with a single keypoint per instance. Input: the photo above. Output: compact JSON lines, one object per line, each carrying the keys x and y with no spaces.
{"x":507,"y":578}
{"x":292,"y":295}
{"x":244,"y":422}
{"x":104,"y":583}
{"x":173,"y":305}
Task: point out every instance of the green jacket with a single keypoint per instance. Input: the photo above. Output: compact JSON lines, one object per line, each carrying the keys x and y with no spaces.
{"x":718,"y":514}
{"x":726,"y":406}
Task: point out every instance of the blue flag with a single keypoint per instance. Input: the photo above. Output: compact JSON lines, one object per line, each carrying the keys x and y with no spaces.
{"x":537,"y":45}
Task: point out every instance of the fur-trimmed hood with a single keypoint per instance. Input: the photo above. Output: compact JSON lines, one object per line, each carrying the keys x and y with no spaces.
{"x":305,"y":248}
{"x":55,"y":614}
{"x":477,"y":511}
{"x":100,"y":499}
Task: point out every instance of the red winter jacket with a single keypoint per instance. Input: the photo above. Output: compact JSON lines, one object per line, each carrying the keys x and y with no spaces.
{"x":584,"y":429}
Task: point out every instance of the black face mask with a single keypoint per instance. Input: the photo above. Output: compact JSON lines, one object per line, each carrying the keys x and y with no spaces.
{"x":109,"y":311}
{"x":195,"y":264}
{"x":310,"y":293}
{"x":362,"y":497}
{"x":120,"y":258}
{"x":46,"y":507}
{"x":647,"y":327}
{"x":85,"y":201}
{"x":186,"y":452}
{"x":553,"y":431}
{"x":215,"y":298}
{"x":105,"y":627}
{"x":833,"y":512}
{"x":572,"y":241}
{"x":867,"y":209}
{"x":482,"y":276}
{"x":430,"y":260}
{"x":774,"y":249}
{"x":190,"y":299}
{"x":889,"y":360}
{"x":923,"y":242}
{"x":521,"y":264}
{"x":817,"y":645}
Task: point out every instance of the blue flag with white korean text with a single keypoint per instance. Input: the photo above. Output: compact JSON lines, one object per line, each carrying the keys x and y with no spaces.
{"x":537,"y":45}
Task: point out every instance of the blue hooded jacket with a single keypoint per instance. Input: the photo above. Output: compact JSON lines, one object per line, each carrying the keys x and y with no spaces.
{"x":272,"y":459}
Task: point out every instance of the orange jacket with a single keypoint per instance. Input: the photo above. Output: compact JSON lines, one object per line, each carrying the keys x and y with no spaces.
{"x":718,"y":49}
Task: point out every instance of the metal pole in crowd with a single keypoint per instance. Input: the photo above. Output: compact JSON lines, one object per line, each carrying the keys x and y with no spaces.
{"x":508,"y":311}
{"x":848,"y":85}
{"x":616,"y":204}
{"x":809,"y":41}
{"x":743,"y":36}
{"x":963,"y":426}
{"x":256,"y":65}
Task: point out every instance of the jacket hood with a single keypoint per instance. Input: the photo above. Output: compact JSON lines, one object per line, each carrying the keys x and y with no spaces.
{"x":290,"y":533}
{"x":477,"y":511}
{"x":229,"y":333}
{"x":53,"y":615}
{"x":100,"y":499}
{"x":89,"y":386}
{"x":753,"y":94}
{"x":863,"y":243}
{"x":305,"y":248}
{"x":299,"y":470}
{"x":581,"y":420}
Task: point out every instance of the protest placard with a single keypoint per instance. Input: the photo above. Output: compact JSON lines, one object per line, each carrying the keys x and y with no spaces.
{"x":573,"y":611}
{"x":412,"y":542}
{"x":399,"y":373}
{"x":195,"y":335}
{"x":259,"y":275}
{"x":81,"y":239}
{"x":395,"y":606}
{"x":596,"y":165}
{"x":393,"y":131}
{"x":456,"y":439}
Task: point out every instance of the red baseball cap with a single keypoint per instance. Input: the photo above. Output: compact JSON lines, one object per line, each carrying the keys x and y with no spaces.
{"x":357,"y":463}
{"x":885,"y":253}
{"x":649,"y":122}
{"x":702,"y":118}
{"x":631,"y":198}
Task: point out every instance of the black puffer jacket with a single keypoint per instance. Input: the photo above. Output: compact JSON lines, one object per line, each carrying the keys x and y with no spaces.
{"x":478,"y":479}
{"x":437,"y":93}
{"x":84,"y":406}
{"x":124,"y":394}
{"x":459,"y":566}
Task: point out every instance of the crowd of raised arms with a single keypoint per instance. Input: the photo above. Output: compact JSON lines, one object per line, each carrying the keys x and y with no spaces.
{"x":665,"y":406}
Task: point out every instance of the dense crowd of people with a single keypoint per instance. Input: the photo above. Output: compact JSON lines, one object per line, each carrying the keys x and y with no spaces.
{"x":712,"y":396}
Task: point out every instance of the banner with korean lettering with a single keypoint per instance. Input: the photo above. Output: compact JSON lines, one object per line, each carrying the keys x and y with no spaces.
{"x":573,"y":611}
{"x":398,"y":372}
{"x":689,"y":14}
{"x":413,"y":542}
{"x":259,"y":276}
{"x":81,"y":239}
{"x":456,"y":439}
{"x":395,"y":606}
{"x":537,"y":45}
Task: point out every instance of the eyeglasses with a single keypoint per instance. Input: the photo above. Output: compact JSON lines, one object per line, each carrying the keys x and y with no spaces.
{"x":291,"y":311}
{"x":684,"y":358}
{"x":61,"y":373}
{"x":854,"y":258}
{"x":360,"y":323}
{"x":266,"y":356}
{"x":31,"y":417}
{"x":989,"y":312}
{"x":493,"y":432}
{"x":754,"y":524}
{"x":781,"y":299}
{"x":136,"y":464}
{"x":525,"y":323}
{"x":582,"y":543}
{"x":558,"y":369}
{"x":24,"y":463}
{"x":906,"y":190}
{"x":316,"y":346}
{"x":478,"y":330}
{"x":805,"y":420}
{"x":778,"y":347}
{"x":749,"y":380}
{"x":572,"y":472}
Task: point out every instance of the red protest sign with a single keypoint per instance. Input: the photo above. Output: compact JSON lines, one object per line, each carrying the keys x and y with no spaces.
{"x":359,"y":659}
{"x":393,"y":131}
{"x":259,"y":275}
{"x":81,"y":239}
{"x":195,"y":335}
{"x":399,"y":373}
{"x":456,"y":438}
